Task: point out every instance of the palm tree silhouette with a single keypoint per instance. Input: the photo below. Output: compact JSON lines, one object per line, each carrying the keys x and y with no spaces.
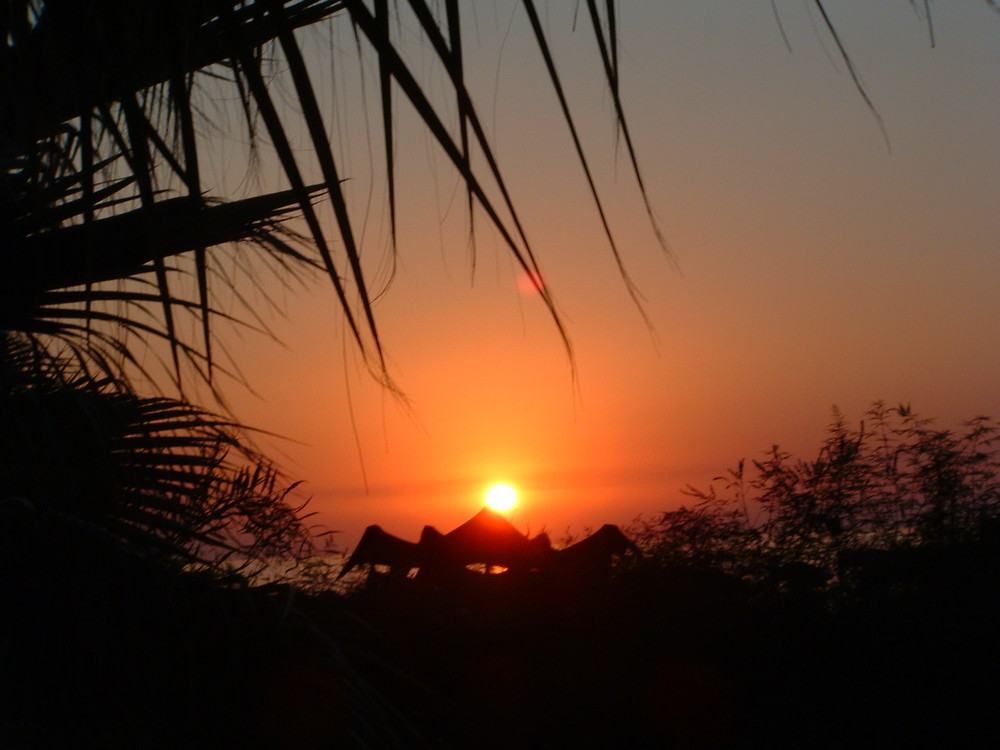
{"x":116,"y":246}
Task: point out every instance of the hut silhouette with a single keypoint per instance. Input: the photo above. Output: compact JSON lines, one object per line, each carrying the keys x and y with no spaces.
{"x":490,"y":540}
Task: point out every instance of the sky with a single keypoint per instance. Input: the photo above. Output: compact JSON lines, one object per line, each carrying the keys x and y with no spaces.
{"x":815,"y":261}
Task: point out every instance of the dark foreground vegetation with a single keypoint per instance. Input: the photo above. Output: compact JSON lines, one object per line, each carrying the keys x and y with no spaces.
{"x":844,"y":602}
{"x":850,"y":601}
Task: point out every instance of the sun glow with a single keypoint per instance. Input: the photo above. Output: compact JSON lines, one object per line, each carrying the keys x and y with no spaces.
{"x":501,"y":497}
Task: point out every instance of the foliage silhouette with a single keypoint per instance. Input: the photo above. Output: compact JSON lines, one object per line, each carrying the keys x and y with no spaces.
{"x":844,"y":601}
{"x":119,"y":250}
{"x":895,"y":482}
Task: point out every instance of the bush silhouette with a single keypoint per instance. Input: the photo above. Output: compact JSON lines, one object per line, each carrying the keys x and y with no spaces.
{"x":894,"y":483}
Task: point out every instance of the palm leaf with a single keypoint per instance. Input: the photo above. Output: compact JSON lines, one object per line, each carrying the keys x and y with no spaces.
{"x":609,"y":60}
{"x":456,"y":70}
{"x":550,"y":66}
{"x":124,"y":245}
{"x":161,"y":475}
{"x":835,"y":35}
{"x":82,"y":55}
{"x":522,"y":253}
{"x":105,"y":213}
{"x":262,"y":98}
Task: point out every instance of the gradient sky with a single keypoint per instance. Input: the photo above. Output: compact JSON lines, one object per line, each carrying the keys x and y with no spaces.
{"x":814,"y":268}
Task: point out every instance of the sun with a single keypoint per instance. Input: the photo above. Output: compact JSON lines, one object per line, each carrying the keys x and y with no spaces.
{"x":501,"y":497}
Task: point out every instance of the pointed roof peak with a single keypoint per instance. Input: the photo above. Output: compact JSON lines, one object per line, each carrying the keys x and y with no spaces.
{"x":488,"y":512}
{"x":486,"y":517}
{"x":487,"y":524}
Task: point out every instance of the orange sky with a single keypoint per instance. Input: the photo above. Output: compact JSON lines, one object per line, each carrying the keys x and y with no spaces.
{"x":816,"y":269}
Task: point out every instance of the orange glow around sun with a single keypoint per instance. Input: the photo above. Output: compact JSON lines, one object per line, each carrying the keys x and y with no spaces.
{"x":501,"y":497}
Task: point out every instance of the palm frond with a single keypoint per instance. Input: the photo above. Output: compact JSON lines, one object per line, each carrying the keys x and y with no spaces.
{"x":114,"y":241}
{"x":610,"y":63}
{"x":82,"y":55}
{"x":124,"y":245}
{"x":550,"y":66}
{"x":161,"y":476}
{"x":849,"y":63}
{"x":117,"y":139}
{"x":522,"y":251}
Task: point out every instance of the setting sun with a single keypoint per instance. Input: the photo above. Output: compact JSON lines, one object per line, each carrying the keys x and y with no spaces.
{"x":501,"y":497}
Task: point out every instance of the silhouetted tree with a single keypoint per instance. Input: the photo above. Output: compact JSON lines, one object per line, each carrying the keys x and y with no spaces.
{"x":118,"y":248}
{"x":116,"y":245}
{"x":894,"y":482}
